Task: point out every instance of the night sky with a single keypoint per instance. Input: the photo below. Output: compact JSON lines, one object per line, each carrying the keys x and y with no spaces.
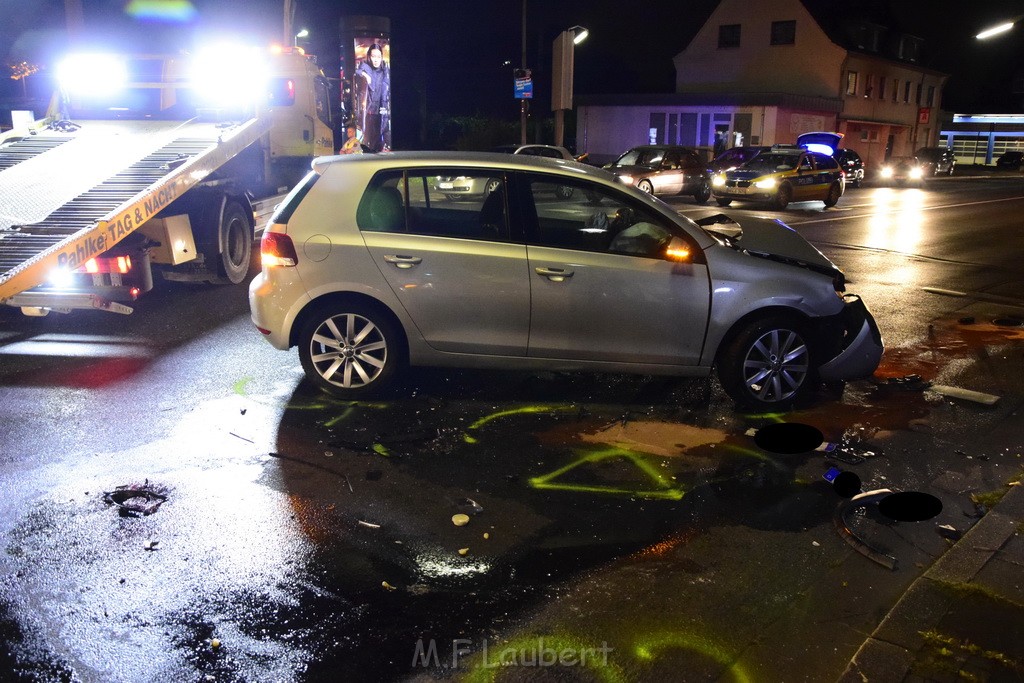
{"x":449,"y":57}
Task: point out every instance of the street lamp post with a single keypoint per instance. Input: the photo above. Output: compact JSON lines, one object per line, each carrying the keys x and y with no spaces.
{"x":563,"y":53}
{"x":301,"y":34}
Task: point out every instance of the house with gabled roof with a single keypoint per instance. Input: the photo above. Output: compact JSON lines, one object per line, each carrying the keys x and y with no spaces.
{"x":761,"y":72}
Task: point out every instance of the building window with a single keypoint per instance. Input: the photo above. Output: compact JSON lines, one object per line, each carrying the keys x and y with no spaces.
{"x":895,"y":90}
{"x":906,"y":93}
{"x":729,"y":35}
{"x":919,"y":88}
{"x":881,"y":88}
{"x":931,"y":95}
{"x":851,"y":82}
{"x":784,"y":32}
{"x":869,"y":87}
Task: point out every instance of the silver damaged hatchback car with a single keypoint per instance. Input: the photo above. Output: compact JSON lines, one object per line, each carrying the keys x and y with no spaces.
{"x":369,"y":267}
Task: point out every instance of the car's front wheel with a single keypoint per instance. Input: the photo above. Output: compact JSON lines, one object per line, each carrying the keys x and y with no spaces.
{"x":783,"y":197}
{"x":645,"y":186}
{"x":703,"y":192}
{"x":351,"y":350}
{"x":768,"y":365}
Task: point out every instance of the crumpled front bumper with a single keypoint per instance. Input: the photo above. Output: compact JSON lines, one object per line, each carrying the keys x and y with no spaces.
{"x":852,"y":343}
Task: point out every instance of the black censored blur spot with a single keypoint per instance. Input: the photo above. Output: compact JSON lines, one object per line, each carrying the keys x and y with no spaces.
{"x":788,"y":437}
{"x":846,"y":484}
{"x":910,"y":506}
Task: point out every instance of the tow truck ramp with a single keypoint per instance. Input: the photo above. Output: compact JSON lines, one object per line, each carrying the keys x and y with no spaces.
{"x":166,"y":162}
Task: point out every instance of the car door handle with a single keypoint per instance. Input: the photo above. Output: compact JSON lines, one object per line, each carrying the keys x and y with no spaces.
{"x":403,"y":261}
{"x":555,"y":274}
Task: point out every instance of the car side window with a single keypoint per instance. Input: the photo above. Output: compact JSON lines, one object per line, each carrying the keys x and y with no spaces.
{"x":469,"y":203}
{"x":825,"y":162}
{"x":805,"y":163}
{"x":464,"y":203}
{"x":594,"y":218}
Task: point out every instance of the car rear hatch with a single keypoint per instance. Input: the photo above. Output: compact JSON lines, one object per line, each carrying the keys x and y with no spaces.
{"x":820,"y":141}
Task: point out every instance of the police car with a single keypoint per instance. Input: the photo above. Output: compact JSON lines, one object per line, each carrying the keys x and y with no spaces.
{"x":784,"y":174}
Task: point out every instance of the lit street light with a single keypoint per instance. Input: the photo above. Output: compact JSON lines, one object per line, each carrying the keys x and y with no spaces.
{"x":301,"y":34}
{"x":995,"y":30}
{"x":563,"y":54}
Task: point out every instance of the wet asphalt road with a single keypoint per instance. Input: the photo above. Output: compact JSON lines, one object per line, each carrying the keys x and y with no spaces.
{"x":630,"y":521}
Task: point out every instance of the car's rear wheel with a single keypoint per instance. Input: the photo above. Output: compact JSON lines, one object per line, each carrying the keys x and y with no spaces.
{"x":834,"y":193}
{"x":783,"y":197}
{"x":351,"y":350}
{"x":645,"y":186}
{"x":723,"y":202}
{"x":703,"y":192}
{"x":768,"y":365}
{"x":492,"y":185}
{"x":564,"y":191}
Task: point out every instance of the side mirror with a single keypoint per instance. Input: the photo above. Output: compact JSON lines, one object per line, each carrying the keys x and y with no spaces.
{"x":678,"y":250}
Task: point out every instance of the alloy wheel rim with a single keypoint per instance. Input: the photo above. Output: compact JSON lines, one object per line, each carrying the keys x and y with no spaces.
{"x":776,"y":365}
{"x":348,"y":351}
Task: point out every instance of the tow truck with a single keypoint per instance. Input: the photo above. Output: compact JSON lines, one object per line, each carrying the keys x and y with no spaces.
{"x":153,"y":164}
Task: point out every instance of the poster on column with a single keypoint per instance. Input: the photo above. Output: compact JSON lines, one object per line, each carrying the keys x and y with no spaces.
{"x":371,"y":92}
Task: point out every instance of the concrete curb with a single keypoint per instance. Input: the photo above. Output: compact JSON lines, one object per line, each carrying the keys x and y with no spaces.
{"x":889,"y":652}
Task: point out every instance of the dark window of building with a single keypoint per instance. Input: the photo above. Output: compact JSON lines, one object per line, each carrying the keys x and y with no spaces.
{"x":895,"y":90}
{"x":783,"y":32}
{"x":656,"y":129}
{"x":906,"y":92}
{"x":919,"y":89}
{"x":729,"y":35}
{"x":881,"y":88}
{"x":931,"y":95}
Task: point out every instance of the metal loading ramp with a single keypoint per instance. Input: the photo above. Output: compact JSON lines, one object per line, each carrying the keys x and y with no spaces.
{"x":99,"y":218}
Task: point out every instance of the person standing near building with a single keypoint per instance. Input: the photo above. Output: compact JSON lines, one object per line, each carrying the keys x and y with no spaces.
{"x":375,"y":116}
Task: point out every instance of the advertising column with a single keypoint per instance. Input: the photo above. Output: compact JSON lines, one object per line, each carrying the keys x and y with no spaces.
{"x":366,"y":79}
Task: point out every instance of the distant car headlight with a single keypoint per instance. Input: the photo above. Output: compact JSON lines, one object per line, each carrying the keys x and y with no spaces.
{"x":887,"y":172}
{"x":766,"y":184}
{"x":917,"y":172}
{"x":718,"y":181}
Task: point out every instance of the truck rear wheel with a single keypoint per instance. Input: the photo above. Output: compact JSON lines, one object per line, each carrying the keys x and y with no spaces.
{"x":232,"y":252}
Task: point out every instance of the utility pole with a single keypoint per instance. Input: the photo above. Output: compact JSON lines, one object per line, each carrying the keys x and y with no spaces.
{"x":73,"y":18}
{"x":523,"y":104}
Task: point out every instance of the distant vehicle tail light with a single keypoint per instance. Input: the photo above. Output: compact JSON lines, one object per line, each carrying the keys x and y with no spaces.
{"x":277,"y":250}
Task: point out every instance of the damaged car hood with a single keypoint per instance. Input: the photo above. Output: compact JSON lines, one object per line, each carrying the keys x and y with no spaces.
{"x":772,"y":239}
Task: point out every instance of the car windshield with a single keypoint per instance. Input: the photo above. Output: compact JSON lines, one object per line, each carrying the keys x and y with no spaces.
{"x":903,"y":161}
{"x":772,"y":162}
{"x":640,"y":156}
{"x":930,"y":154}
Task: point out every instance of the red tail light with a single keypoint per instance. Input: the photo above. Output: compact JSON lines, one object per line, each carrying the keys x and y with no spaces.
{"x":276,"y":249}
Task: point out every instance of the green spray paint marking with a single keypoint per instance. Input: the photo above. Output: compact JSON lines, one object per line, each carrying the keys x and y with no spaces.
{"x":525,"y":410}
{"x":648,"y":649}
{"x":664,"y":488}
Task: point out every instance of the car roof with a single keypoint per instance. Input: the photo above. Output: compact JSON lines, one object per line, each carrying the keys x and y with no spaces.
{"x":469,"y":159}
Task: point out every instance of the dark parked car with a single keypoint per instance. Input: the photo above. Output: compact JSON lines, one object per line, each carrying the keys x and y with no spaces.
{"x":1010,"y":161}
{"x":852,"y":165}
{"x":937,"y":160}
{"x":664,"y":169}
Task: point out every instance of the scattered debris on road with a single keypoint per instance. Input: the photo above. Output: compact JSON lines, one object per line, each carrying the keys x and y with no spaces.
{"x":136,"y":500}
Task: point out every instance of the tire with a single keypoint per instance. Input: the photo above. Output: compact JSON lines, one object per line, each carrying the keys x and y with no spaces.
{"x":230,"y":257}
{"x":351,"y":350}
{"x":703,"y":193}
{"x":645,"y":186}
{"x":783,"y":197}
{"x":834,"y":193}
{"x":950,"y":171}
{"x":769,"y":365}
{"x":491,"y":186}
{"x":722,"y":201}
{"x":564,"y":191}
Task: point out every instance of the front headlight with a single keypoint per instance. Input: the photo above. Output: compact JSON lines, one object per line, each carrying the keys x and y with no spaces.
{"x":917,"y":172}
{"x":628,"y":179}
{"x":765,"y":183}
{"x":92,"y":74}
{"x":718,"y":181}
{"x":887,"y":172}
{"x":230,"y":75}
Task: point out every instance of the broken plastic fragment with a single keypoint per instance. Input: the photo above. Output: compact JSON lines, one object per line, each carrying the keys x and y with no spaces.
{"x":463,"y":551}
{"x":215,"y":643}
{"x":486,"y":535}
{"x":150,"y":545}
{"x":965,"y":394}
{"x":369,"y":525}
{"x":460,"y":519}
{"x":387,"y":586}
